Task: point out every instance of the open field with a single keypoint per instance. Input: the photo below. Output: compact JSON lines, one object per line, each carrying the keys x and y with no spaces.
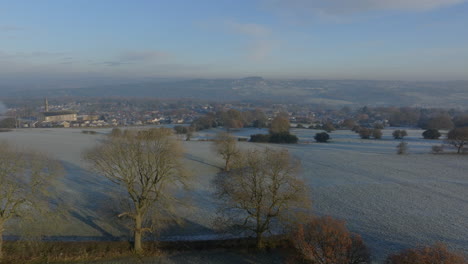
{"x":392,"y":201}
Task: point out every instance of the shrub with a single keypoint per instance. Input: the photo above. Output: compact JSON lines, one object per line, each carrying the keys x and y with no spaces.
{"x":181,"y":129}
{"x":436,"y":254}
{"x":326,"y":240}
{"x":261,"y":138}
{"x":437,"y":149}
{"x":377,"y":133}
{"x":399,"y":134}
{"x":365,"y":133}
{"x":322,"y":137}
{"x":402,"y":148}
{"x":283,"y":138}
{"x":274,"y":138}
{"x":431,"y":134}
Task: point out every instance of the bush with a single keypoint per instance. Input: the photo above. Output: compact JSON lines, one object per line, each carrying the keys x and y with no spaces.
{"x":327,"y":240}
{"x":181,"y":129}
{"x":8,"y":122}
{"x":437,"y":254}
{"x":283,"y":138}
{"x":377,"y":133}
{"x":260,"y":138}
{"x":274,"y":138}
{"x":321,"y":137}
{"x":402,"y":148}
{"x":431,"y":134}
{"x":365,"y":133}
{"x":437,"y":149}
{"x":399,"y":134}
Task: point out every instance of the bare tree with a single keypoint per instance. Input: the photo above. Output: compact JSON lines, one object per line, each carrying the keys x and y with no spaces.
{"x":324,"y":240}
{"x":261,"y":193}
{"x":26,"y":184}
{"x":458,"y":137}
{"x":226,"y":145}
{"x":147,"y":165}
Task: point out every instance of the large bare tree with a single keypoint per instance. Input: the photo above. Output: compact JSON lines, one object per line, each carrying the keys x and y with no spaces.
{"x":261,"y":192}
{"x":458,"y":138}
{"x":27,"y":182}
{"x":147,"y":165}
{"x":226,"y":145}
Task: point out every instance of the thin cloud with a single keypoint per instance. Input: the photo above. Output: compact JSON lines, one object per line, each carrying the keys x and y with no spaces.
{"x":10,"y":28}
{"x":147,"y":55}
{"x":253,"y":30}
{"x":135,"y":57}
{"x":345,"y":8}
{"x":260,"y":41}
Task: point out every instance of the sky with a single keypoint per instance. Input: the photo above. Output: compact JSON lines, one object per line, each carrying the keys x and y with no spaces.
{"x":86,"y":42}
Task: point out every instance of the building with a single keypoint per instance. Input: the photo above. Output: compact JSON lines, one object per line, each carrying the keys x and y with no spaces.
{"x":57,"y":116}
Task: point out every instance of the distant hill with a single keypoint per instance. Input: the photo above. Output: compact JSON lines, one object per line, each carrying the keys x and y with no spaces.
{"x":331,"y":92}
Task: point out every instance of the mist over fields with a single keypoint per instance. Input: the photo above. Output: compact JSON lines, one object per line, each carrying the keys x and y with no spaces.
{"x":444,"y":94}
{"x":393,"y":201}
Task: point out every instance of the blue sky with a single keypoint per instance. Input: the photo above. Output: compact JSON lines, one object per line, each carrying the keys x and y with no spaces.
{"x":79,"y":42}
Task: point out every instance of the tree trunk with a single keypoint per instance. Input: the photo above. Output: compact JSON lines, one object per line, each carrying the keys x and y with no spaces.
{"x":138,"y":234}
{"x":1,"y":241}
{"x":259,"y":240}
{"x":226,"y":166}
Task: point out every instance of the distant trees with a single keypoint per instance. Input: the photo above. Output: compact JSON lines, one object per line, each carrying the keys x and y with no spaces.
{"x":146,"y":166}
{"x":365,"y":133}
{"x":259,"y":119}
{"x":8,"y":122}
{"x":226,"y":145}
{"x":377,"y":133}
{"x":399,"y":134}
{"x":278,"y":132}
{"x":26,"y":184}
{"x":204,"y":122}
{"x":440,"y":122}
{"x":458,"y":138}
{"x":325,"y":240}
{"x":436,"y":254}
{"x":184,"y":130}
{"x":404,"y":116}
{"x":349,"y":123}
{"x":328,"y":127}
{"x":279,"y":125}
{"x":321,"y":137}
{"x":431,"y":134}
{"x":232,"y":119}
{"x":461,"y":120}
{"x":260,"y":192}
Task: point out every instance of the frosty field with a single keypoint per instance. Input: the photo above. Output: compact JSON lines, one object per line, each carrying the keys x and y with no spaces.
{"x":393,"y":201}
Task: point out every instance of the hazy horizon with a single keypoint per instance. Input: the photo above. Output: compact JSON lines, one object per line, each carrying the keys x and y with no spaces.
{"x":85,"y":43}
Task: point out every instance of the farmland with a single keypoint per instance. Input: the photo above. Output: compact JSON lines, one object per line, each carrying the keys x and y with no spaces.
{"x":393,"y":201}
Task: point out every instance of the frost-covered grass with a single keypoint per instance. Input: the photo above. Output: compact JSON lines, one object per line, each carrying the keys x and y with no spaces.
{"x":393,"y":201}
